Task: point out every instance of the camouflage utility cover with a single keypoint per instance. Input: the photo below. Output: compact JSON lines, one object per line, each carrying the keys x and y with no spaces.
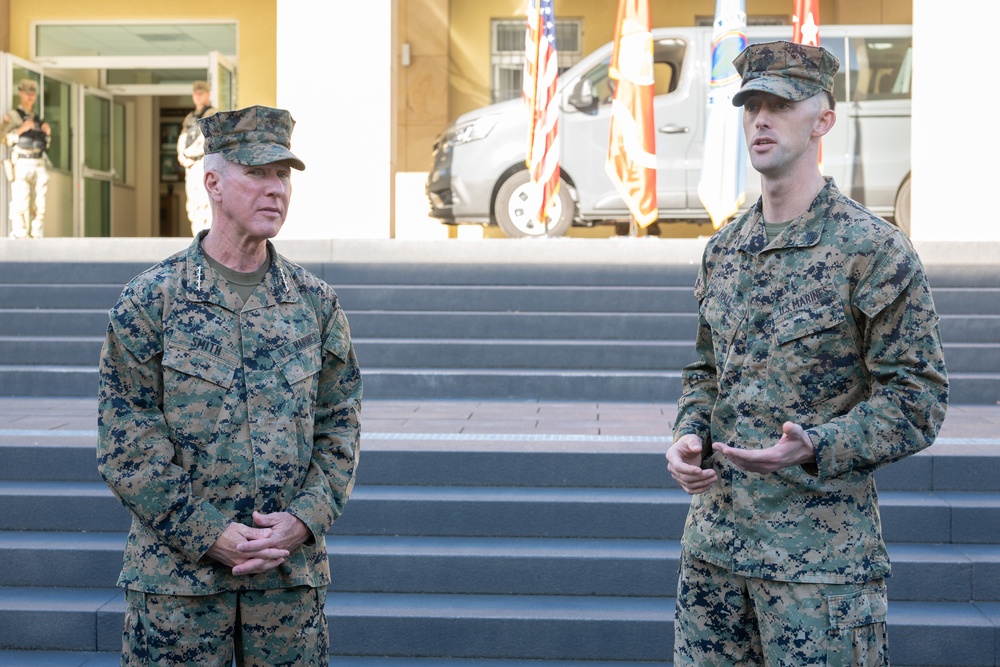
{"x":790,"y":71}
{"x":831,"y":326}
{"x":253,"y":136}
{"x":209,"y":410}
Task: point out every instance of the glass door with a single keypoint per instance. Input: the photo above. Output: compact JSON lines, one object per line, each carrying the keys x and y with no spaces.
{"x":95,"y":167}
{"x":221,"y":81}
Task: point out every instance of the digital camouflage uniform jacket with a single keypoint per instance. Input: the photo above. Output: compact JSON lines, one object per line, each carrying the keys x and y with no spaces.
{"x":208,"y":412}
{"x":832,"y":326}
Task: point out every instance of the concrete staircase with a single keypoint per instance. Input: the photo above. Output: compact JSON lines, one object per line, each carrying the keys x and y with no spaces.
{"x":494,"y":550}
{"x":491,"y":329}
{"x":499,"y":550}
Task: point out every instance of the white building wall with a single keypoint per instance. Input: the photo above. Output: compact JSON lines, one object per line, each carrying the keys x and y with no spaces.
{"x":335,"y":77}
{"x":955,"y":142}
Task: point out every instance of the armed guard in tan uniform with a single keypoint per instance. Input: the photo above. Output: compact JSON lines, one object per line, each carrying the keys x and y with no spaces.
{"x":29,"y":136}
{"x":190,"y":152}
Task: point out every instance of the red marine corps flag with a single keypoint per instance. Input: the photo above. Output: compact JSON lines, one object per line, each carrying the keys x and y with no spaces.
{"x":631,"y":160}
{"x":541,"y":74}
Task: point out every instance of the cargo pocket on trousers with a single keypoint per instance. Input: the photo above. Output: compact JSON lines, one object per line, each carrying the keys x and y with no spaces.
{"x":857,"y":634}
{"x":135,"y":652}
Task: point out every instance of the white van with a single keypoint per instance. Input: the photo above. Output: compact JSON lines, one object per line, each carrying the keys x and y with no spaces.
{"x":479,"y":174}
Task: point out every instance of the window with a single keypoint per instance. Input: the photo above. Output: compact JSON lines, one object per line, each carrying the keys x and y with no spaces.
{"x":150,"y":58}
{"x":507,"y":58}
{"x":668,"y":57}
{"x":57,"y":112}
{"x":53,"y":40}
{"x":882,"y":68}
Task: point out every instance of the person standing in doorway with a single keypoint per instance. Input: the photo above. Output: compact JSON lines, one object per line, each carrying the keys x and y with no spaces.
{"x":818,"y":361}
{"x":28,"y":136}
{"x":190,"y":153}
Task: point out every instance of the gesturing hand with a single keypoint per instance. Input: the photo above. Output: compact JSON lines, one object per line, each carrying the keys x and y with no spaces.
{"x":794,"y":448}
{"x":684,"y":464}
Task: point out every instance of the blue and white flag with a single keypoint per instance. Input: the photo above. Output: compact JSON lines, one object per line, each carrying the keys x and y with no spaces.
{"x":722,"y":188}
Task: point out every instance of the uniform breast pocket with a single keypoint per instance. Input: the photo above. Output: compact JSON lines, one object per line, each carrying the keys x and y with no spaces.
{"x":299,"y":360}
{"x":197,"y":374}
{"x":815,"y":354}
{"x":724,"y":318}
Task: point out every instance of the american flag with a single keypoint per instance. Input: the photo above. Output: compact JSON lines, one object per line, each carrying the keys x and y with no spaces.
{"x":541,"y":74}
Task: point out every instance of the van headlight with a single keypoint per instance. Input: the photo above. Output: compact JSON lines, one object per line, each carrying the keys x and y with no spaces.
{"x":475,"y":129}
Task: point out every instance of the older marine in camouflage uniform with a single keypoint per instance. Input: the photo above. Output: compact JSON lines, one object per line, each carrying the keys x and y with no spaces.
{"x":819,"y":361}
{"x":230,"y":410}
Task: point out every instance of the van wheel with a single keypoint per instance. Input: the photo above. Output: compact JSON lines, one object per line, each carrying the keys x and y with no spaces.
{"x":902,"y":208}
{"x":515,"y":212}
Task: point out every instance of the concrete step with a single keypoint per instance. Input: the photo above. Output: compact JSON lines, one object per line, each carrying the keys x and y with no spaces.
{"x":525,"y":627}
{"x":72,"y":322}
{"x":564,"y":325}
{"x":111,"y":659}
{"x":522,"y":384}
{"x":538,"y":354}
{"x":48,"y":380}
{"x":970,"y":328}
{"x":962,"y":275}
{"x":946,"y":517}
{"x":967,"y":300}
{"x":972,"y":357}
{"x":473,"y":459}
{"x":472,"y":383}
{"x":587,"y":385}
{"x":446,"y":353}
{"x":498,"y":565}
{"x":62,"y":295}
{"x":50,"y":350}
{"x":477,"y":296}
{"x":492,"y":626}
{"x":382,"y":272}
{"x":450,"y":353}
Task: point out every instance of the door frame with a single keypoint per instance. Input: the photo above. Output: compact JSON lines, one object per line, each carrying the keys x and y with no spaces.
{"x":81,"y":171}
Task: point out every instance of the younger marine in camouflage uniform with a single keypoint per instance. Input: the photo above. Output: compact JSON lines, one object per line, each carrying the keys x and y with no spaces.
{"x":819,"y":361}
{"x":229,"y":420}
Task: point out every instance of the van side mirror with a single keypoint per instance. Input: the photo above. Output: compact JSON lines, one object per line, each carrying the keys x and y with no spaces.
{"x":582,"y":95}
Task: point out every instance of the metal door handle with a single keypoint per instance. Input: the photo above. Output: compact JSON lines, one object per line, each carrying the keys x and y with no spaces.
{"x":674,"y":129}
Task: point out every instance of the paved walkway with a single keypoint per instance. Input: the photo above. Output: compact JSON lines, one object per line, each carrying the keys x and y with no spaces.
{"x":647,"y":425}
